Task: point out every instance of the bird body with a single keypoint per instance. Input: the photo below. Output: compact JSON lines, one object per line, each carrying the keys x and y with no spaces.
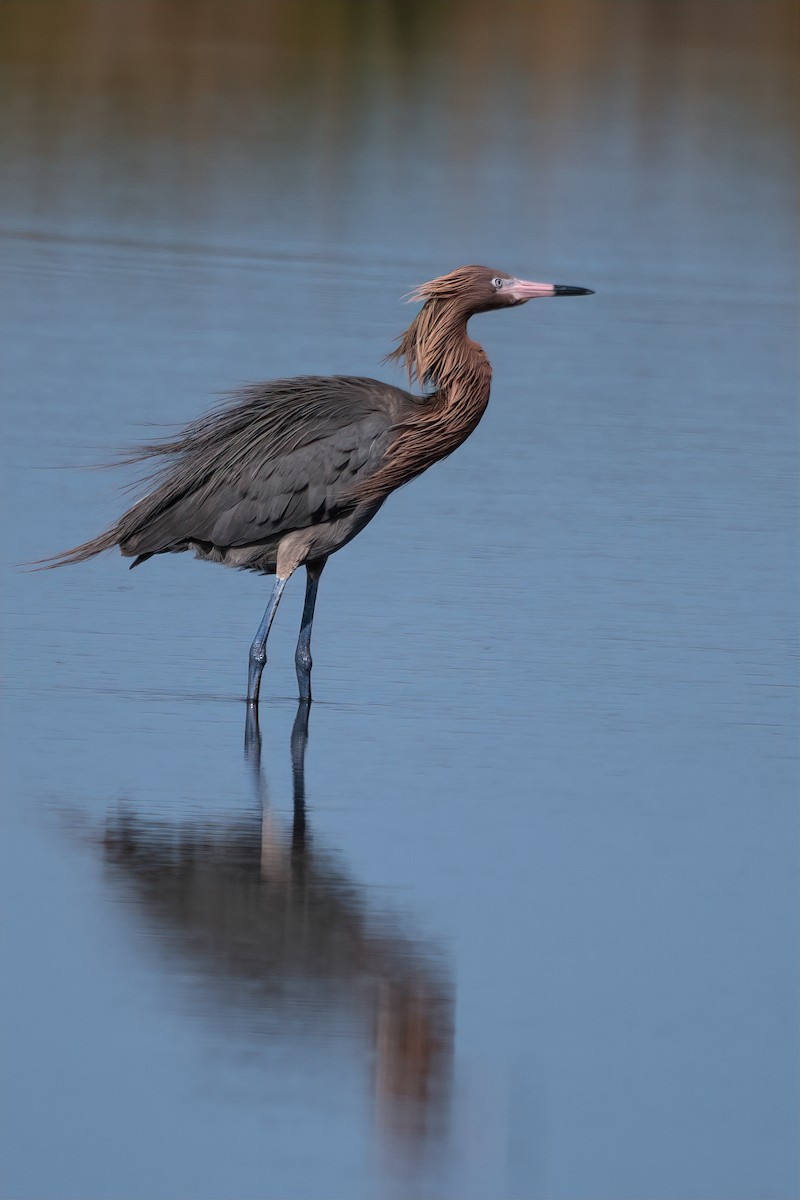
{"x":280,"y":462}
{"x":289,"y":471}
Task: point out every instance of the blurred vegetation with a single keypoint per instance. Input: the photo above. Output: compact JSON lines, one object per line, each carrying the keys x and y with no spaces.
{"x":195,"y":57}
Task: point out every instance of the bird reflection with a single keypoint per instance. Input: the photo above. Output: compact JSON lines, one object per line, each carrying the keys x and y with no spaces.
{"x":272,"y":926}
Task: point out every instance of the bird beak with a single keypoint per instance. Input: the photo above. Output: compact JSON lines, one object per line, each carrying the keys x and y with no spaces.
{"x":523,"y":289}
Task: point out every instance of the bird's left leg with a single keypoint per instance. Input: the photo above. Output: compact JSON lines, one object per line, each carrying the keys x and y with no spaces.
{"x":302,"y":655}
{"x":258,"y":650}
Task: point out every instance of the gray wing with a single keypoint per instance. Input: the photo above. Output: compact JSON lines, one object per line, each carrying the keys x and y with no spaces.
{"x":285,"y":457}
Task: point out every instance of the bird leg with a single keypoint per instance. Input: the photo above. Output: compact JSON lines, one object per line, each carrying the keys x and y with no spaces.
{"x":258,"y":650}
{"x":302,"y":655}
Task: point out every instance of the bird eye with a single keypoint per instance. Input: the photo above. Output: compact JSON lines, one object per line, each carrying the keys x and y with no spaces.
{"x":497,"y":282}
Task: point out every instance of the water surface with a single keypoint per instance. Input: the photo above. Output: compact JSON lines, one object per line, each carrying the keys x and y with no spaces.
{"x":520,"y":919}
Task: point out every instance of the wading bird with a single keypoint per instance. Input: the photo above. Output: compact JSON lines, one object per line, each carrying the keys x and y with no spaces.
{"x":289,"y":471}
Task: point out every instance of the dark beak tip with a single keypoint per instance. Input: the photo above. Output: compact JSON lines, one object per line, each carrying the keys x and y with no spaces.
{"x":564,"y":289}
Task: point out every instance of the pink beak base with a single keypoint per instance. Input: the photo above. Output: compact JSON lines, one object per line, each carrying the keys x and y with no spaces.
{"x":524,"y":289}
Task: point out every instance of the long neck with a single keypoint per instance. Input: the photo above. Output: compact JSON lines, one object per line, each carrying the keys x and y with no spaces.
{"x":438,"y":354}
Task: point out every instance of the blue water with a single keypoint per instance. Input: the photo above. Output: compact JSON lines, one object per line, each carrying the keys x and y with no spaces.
{"x":522,"y":921}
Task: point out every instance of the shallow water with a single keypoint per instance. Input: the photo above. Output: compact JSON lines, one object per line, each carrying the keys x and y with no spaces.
{"x":521,"y":921}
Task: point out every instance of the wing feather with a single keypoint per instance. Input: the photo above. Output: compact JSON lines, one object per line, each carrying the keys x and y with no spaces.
{"x":283,"y":456}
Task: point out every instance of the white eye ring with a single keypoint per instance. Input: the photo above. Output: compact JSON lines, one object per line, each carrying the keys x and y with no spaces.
{"x":497,"y":282}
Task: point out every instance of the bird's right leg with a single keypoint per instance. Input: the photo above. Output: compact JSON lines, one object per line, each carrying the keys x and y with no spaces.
{"x":302,"y":655}
{"x":258,"y":650}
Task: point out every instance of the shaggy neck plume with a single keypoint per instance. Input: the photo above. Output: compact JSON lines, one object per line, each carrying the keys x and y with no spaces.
{"x":438,"y":354}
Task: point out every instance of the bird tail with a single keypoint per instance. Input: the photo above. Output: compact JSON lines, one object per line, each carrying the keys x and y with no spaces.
{"x":105,"y":541}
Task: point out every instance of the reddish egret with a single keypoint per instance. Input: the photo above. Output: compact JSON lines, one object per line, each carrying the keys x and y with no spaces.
{"x":290,"y":471}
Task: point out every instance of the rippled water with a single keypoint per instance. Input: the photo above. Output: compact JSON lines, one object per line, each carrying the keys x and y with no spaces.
{"x":514,"y":915}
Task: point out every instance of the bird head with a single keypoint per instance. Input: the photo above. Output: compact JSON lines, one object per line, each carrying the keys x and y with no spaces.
{"x":479,"y":289}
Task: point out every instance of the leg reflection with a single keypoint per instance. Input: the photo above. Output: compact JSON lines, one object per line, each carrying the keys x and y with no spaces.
{"x":262,"y":918}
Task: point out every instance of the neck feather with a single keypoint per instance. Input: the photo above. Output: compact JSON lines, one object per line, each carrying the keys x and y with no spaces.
{"x":437,"y":353}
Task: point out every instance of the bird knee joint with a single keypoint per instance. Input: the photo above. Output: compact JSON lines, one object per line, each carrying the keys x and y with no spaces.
{"x":303,"y":660}
{"x":258,"y":655}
